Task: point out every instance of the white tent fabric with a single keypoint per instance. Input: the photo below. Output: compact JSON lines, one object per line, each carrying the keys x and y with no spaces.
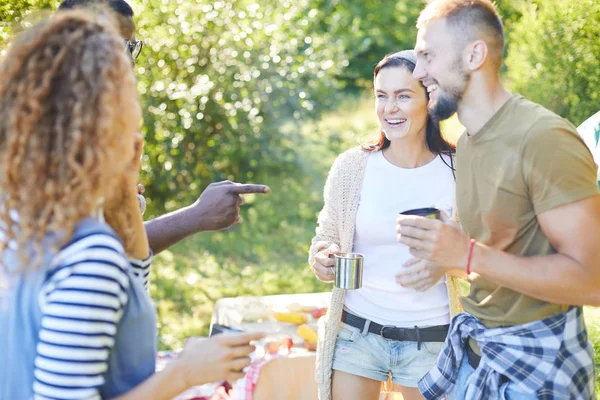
{"x":590,"y":133}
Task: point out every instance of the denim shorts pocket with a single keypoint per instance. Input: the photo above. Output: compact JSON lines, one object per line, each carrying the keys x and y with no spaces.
{"x":433,"y":348}
{"x":348,"y":333}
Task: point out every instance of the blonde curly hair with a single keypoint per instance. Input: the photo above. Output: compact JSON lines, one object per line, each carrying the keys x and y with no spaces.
{"x":68,"y":112}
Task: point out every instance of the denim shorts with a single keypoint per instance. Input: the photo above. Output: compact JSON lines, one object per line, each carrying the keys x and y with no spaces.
{"x":372,"y":356}
{"x":507,"y":390}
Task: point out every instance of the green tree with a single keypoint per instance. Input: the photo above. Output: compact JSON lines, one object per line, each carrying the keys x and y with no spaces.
{"x":553,"y":56}
{"x":368,"y":30}
{"x":219,"y":80}
{"x":12,"y":13}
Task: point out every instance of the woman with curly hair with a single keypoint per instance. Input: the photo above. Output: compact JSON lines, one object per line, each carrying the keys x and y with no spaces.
{"x":76,"y":321}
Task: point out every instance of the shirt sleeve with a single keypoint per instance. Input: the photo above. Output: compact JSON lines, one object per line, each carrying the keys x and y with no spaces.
{"x":558,"y":168}
{"x":81,"y":304}
{"x":141,"y":269}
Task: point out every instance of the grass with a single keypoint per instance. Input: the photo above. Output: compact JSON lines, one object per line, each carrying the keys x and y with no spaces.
{"x":592,"y":319}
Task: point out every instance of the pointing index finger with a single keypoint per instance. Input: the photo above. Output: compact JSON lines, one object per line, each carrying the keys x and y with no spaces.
{"x":247,"y":188}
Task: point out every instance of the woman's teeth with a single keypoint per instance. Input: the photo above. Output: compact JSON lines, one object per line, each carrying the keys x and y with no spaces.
{"x":396,"y":121}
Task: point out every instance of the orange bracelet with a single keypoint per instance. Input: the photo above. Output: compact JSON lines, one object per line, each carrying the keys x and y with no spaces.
{"x":471,"y":246}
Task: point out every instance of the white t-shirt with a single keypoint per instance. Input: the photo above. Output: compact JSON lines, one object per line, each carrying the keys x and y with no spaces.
{"x":386,"y":191}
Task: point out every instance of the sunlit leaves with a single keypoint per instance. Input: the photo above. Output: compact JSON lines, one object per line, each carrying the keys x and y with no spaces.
{"x":553,"y":59}
{"x":226,"y":74}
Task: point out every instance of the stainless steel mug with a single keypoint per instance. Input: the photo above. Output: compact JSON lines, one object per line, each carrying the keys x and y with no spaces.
{"x":348,"y":270}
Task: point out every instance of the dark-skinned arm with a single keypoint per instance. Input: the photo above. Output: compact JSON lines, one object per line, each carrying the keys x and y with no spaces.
{"x":217,"y":208}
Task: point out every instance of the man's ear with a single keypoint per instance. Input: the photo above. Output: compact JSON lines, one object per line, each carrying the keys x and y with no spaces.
{"x":477,"y":55}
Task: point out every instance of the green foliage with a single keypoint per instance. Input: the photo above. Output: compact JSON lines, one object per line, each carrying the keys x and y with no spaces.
{"x":592,"y":321}
{"x":14,"y":15}
{"x":367,"y":30}
{"x":219,"y":84}
{"x":553,"y":57}
{"x":511,"y":12}
{"x":267,"y":253}
{"x":15,"y":10}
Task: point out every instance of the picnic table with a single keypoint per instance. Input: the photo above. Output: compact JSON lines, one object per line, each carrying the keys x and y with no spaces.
{"x":288,"y":375}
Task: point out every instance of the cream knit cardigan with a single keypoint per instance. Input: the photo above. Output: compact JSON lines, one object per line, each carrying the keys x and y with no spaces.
{"x":336,"y":225}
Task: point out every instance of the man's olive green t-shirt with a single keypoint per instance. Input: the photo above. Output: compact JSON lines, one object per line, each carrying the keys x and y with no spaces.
{"x":526,"y":160}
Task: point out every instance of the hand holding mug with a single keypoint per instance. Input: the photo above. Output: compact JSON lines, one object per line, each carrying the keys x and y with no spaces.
{"x":222,"y":357}
{"x":442,"y":242}
{"x":323,"y":266}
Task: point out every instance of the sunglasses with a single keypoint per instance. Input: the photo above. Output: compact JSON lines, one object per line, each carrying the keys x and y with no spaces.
{"x":134,"y":48}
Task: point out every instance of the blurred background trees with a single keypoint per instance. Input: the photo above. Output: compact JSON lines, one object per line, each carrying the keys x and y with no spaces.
{"x":553,"y":57}
{"x":270,"y":92}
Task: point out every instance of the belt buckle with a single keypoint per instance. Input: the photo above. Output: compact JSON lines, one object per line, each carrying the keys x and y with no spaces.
{"x":381,"y":332}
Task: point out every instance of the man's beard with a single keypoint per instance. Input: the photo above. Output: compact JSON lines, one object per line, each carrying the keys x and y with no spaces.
{"x":445,"y":106}
{"x":447,"y":103}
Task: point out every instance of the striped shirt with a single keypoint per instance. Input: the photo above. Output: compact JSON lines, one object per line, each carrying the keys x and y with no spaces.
{"x":82,"y":303}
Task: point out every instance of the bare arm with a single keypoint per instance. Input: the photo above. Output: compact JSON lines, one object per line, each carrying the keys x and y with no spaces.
{"x":162,"y":385}
{"x":202,"y":361}
{"x":571,"y":276}
{"x":217,"y":208}
{"x":171,"y":228}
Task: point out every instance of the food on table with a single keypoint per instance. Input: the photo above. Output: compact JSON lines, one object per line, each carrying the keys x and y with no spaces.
{"x":295,"y":307}
{"x":310,"y":346}
{"x":318,"y":312}
{"x":281,"y":345}
{"x":247,"y":309}
{"x":272,"y":346}
{"x":287,"y":342}
{"x":307,"y":333}
{"x":291,"y":317}
{"x":251,"y":315}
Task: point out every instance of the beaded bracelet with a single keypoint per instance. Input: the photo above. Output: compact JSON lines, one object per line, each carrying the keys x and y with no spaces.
{"x":471,"y":246}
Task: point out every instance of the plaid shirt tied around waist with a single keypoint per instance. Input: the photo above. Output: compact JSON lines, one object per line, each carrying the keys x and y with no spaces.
{"x":551,"y":358}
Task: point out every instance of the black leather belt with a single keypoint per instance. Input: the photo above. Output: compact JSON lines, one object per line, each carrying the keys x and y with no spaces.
{"x":473,"y":357}
{"x":416,"y":334}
